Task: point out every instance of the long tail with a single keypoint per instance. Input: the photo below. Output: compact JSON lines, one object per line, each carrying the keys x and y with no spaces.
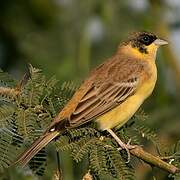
{"x":41,"y":142}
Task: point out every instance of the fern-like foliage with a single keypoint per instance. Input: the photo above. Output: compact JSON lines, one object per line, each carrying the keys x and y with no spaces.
{"x":26,"y":125}
{"x":33,"y":90}
{"x":6,"y":114}
{"x":105,"y":160}
{"x":27,"y":108}
{"x":60,"y":96}
{"x":6,"y":80}
{"x":22,"y":114}
{"x":39,"y":162}
{"x":138,"y":129}
{"x":10,"y":143}
{"x":172,"y":156}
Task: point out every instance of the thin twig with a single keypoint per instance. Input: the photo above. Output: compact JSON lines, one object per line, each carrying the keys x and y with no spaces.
{"x":166,"y":157}
{"x":58,"y":162}
{"x":10,"y":91}
{"x":154,"y":160}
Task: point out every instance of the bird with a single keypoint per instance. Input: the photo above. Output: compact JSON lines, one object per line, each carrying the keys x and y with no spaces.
{"x":110,"y":95}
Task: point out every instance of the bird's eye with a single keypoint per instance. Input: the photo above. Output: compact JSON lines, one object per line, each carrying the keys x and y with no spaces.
{"x":146,"y":39}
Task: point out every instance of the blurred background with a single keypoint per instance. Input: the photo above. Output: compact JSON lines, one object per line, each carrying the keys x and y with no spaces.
{"x":67,"y":38}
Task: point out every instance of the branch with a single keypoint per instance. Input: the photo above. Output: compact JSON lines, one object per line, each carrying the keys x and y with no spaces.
{"x":153,"y":160}
{"x":9,"y":91}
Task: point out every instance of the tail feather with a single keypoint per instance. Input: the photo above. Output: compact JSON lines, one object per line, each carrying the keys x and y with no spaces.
{"x":35,"y":148}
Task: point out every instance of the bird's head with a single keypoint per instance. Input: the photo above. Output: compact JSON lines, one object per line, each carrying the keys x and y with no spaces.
{"x":143,"y":44}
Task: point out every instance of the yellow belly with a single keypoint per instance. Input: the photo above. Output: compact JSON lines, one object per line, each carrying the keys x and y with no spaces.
{"x":122,"y":113}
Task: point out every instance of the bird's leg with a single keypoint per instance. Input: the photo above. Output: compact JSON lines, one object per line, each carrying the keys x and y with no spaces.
{"x":122,"y":144}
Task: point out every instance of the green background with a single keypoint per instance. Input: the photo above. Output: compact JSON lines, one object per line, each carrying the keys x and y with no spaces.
{"x":67,"y":38}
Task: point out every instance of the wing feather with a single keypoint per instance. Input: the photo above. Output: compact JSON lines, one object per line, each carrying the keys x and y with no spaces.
{"x":91,"y":93}
{"x":99,"y":100}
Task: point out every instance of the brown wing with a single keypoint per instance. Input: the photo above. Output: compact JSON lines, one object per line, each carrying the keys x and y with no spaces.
{"x":99,"y":100}
{"x":107,"y":86}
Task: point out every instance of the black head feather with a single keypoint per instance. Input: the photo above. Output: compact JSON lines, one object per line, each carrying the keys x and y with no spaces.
{"x":141,"y":40}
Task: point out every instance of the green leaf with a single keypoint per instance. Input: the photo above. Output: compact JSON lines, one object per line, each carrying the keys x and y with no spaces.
{"x":27,"y":125}
{"x":39,"y":162}
{"x":32,"y":92}
{"x":6,"y":113}
{"x":9,"y":146}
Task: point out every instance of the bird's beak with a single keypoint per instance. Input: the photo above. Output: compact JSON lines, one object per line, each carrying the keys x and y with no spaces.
{"x":160,"y":42}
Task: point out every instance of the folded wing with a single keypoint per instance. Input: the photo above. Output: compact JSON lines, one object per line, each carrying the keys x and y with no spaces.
{"x":100,"y":99}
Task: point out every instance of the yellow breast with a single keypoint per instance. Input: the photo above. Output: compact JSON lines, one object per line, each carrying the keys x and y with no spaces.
{"x":122,"y":113}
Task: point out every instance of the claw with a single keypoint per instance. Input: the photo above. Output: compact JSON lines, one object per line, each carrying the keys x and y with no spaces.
{"x":124,"y":146}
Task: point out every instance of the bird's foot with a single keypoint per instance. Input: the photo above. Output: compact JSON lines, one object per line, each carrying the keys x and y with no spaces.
{"x":127,"y":146}
{"x":124,"y":146}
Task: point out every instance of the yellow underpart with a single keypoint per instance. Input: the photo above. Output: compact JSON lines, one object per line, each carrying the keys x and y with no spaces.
{"x":118,"y":116}
{"x":122,"y":113}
